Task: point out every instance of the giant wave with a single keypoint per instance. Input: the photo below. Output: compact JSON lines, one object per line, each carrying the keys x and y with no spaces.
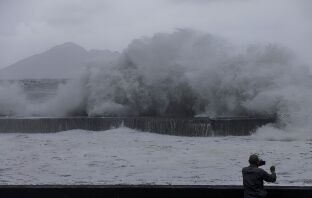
{"x":185,"y":73}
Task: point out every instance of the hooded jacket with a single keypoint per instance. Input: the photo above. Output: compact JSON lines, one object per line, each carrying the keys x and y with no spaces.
{"x":253,"y":178}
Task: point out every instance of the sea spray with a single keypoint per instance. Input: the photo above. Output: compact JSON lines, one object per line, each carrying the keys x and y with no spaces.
{"x":188,"y":73}
{"x":13,"y":100}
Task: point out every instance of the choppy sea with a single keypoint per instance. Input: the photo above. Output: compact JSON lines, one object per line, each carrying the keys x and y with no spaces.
{"x":126,"y":156}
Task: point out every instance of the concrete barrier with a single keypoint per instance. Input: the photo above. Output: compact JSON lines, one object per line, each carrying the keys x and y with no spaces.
{"x":170,"y":126}
{"x":150,"y":191}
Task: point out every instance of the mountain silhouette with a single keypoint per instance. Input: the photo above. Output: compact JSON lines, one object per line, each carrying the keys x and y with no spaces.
{"x":59,"y":62}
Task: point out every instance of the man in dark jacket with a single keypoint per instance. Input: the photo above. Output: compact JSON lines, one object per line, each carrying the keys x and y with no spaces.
{"x":253,"y":178}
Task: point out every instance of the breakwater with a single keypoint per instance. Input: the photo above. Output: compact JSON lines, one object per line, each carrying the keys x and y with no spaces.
{"x":170,"y":191}
{"x":171,"y":126}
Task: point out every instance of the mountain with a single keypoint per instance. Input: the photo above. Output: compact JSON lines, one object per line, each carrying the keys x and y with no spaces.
{"x":62,"y":61}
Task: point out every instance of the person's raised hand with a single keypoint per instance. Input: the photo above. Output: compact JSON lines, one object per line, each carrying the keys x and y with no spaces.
{"x":272,"y":169}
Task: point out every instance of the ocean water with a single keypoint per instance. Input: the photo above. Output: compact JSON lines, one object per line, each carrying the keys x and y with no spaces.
{"x":41,"y":89}
{"x":126,"y":156}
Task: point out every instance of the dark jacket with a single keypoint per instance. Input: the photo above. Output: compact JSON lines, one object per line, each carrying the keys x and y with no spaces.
{"x":253,"y":178}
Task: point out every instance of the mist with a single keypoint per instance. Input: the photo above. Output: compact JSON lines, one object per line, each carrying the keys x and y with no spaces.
{"x":186,"y":73}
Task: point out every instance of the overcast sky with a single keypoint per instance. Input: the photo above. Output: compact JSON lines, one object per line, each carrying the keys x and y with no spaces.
{"x":28,"y":27}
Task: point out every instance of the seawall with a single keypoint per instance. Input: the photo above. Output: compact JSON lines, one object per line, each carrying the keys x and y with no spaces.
{"x":138,"y":191}
{"x":171,"y":126}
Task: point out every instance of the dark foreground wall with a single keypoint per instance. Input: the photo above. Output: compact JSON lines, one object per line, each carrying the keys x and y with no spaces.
{"x":171,"y":126}
{"x":124,"y":191}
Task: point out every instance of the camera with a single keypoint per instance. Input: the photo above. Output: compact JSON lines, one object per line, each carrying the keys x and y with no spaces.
{"x":261,"y":162}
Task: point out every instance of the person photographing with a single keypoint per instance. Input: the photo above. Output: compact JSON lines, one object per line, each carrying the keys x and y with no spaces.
{"x":253,"y":178}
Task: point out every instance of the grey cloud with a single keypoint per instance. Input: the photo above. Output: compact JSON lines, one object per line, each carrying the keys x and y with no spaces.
{"x":205,"y":1}
{"x":29,"y":27}
{"x":11,"y":13}
{"x":73,"y":13}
